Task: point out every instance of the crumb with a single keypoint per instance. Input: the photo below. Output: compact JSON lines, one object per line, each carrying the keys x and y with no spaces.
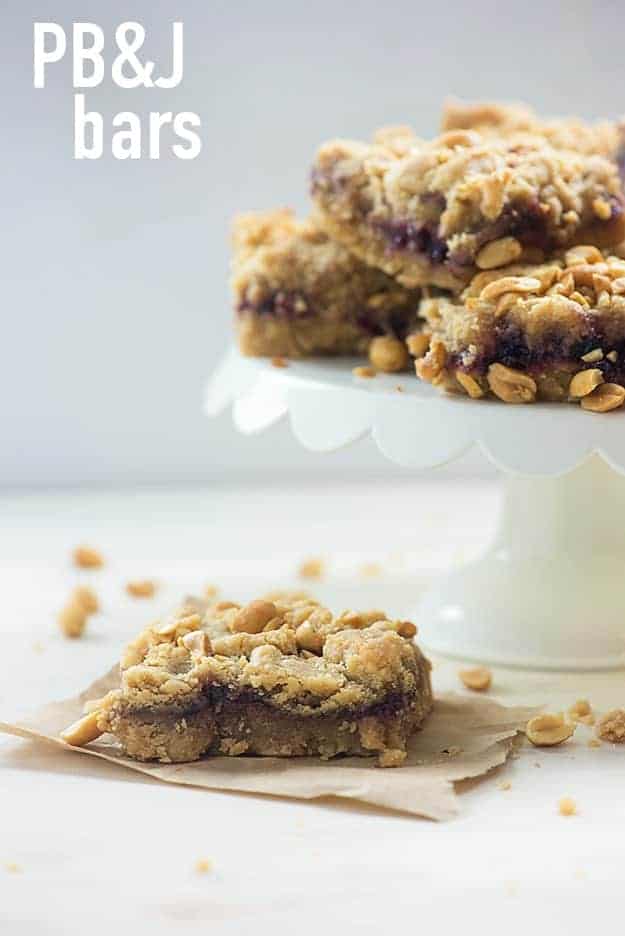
{"x":393,"y":757}
{"x":478,"y":679}
{"x":142,"y":588}
{"x":279,"y":362}
{"x":364,"y":372}
{"x":611,"y":726}
{"x":73,"y":620}
{"x":87,"y":598}
{"x":12,"y":867}
{"x":399,"y":388}
{"x":582,"y":712}
{"x":211,"y":591}
{"x":505,"y":785}
{"x":594,"y":742}
{"x":203,"y":865}
{"x":311,"y":569}
{"x":548,"y":730}
{"x":370,"y":569}
{"x":87,"y":558}
{"x":567,"y":807}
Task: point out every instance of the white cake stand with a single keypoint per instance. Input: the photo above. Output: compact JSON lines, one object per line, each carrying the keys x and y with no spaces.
{"x":549,"y":592}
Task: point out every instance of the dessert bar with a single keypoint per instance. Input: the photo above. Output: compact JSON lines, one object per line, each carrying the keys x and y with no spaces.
{"x":296,"y":292}
{"x":551,"y":331}
{"x":280,"y":676}
{"x":435,"y":213}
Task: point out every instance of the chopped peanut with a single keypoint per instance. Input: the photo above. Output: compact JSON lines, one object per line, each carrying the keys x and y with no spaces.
{"x":141,"y":588}
{"x":567,"y":807}
{"x":548,"y":730}
{"x":87,"y":598}
{"x":73,"y":620}
{"x":478,"y":679}
{"x":388,"y":354}
{"x":311,"y":569}
{"x":87,"y":558}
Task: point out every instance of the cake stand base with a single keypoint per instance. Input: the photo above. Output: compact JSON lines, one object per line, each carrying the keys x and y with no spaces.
{"x":549,"y":592}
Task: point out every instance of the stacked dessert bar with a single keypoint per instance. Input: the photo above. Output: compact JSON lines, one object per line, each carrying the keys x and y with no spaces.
{"x":491,"y":254}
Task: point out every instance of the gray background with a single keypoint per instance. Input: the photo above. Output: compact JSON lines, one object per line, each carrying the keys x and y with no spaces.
{"x":114,"y":296}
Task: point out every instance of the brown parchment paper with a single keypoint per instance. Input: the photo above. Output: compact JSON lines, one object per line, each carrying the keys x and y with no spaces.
{"x":463,"y":737}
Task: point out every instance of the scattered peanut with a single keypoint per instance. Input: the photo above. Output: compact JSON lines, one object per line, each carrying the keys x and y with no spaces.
{"x":548,"y":730}
{"x":418,"y":343}
{"x":252,"y":618}
{"x":197,"y":642}
{"x":73,"y":620}
{"x":203,"y":865}
{"x":581,"y":712}
{"x":567,"y":807}
{"x":592,"y":357}
{"x":87,"y":598}
{"x":366,"y":372}
{"x":606,"y":397}
{"x":504,"y":284}
{"x":279,"y":362}
{"x":83,"y":731}
{"x":499,"y":253}
{"x":469,"y":384}
{"x":87,"y":558}
{"x":585,"y":382}
{"x":141,"y":588}
{"x":388,"y":354}
{"x":511,"y":386}
{"x":478,"y":679}
{"x":311,"y":569}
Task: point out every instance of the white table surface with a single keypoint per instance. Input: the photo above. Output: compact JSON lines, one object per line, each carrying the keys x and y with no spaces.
{"x":98,"y":847}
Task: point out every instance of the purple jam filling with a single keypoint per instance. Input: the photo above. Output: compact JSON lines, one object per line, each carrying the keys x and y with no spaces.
{"x":509,"y":347}
{"x":280,"y":304}
{"x":294,"y":306}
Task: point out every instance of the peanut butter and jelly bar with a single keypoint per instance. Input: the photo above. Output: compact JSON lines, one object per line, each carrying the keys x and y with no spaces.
{"x":552,"y":331}
{"x":605,"y":138}
{"x":281,"y":676}
{"x":430,"y":213}
{"x":296,"y":292}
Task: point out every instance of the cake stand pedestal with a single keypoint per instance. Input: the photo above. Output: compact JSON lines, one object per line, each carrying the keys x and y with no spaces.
{"x":548,"y":592}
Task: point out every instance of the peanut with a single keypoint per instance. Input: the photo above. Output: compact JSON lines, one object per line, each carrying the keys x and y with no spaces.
{"x":498,"y":253}
{"x":548,"y":730}
{"x":511,"y":386}
{"x":252,"y":618}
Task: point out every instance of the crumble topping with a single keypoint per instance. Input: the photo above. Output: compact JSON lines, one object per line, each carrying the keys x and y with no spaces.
{"x":603,"y":138}
{"x":297,"y":292}
{"x":553,"y":330}
{"x":425,"y":215}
